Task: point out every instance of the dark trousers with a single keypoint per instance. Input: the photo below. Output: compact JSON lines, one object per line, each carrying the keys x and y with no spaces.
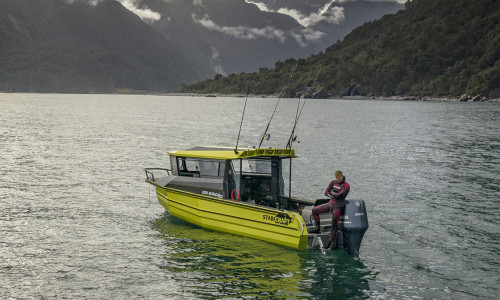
{"x":336,"y":212}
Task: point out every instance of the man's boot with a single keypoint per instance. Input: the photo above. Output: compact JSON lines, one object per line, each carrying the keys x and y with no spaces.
{"x":316,"y":229}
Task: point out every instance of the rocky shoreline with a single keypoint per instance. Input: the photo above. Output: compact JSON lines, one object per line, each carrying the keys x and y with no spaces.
{"x":463,"y":98}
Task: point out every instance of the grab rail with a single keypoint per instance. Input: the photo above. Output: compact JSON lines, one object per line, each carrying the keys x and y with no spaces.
{"x":302,"y":225}
{"x":150,"y":176}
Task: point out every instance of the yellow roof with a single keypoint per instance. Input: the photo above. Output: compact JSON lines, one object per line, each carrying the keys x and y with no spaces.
{"x":225,"y":153}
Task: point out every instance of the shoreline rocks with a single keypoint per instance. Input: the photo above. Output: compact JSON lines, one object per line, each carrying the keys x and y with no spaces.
{"x":463,"y":98}
{"x":321,"y":94}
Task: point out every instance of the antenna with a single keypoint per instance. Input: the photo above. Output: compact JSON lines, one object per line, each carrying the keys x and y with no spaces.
{"x":279,"y":98}
{"x":242,"y":115}
{"x":292,"y":138}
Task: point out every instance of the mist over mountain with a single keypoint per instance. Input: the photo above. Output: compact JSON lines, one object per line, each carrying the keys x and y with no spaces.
{"x":93,"y":46}
{"x":233,"y":36}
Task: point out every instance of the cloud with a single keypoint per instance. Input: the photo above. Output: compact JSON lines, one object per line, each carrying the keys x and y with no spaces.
{"x":395,"y":1}
{"x":90,"y":2}
{"x":144,"y":13}
{"x":307,"y":35}
{"x":334,"y":15}
{"x":198,"y":3}
{"x":215,"y":62}
{"x":242,"y":32}
{"x":303,"y":37}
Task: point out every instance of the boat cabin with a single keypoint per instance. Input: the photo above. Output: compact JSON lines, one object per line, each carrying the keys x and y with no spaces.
{"x":255,"y":176}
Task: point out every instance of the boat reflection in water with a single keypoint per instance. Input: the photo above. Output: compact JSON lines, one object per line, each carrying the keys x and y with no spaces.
{"x":211,"y":264}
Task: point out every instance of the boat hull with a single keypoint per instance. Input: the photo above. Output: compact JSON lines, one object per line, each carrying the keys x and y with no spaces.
{"x":272,"y":225}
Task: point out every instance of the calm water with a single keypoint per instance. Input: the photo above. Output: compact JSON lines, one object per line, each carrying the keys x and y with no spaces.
{"x":77,"y":219}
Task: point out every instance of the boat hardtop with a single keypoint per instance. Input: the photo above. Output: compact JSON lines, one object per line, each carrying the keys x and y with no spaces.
{"x":217,"y":152}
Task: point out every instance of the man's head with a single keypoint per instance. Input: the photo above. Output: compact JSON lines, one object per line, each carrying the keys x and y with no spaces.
{"x":339,"y":176}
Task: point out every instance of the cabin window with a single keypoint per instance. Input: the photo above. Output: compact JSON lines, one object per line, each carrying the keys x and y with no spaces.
{"x":196,"y":167}
{"x":263,"y":180}
{"x":285,"y":187}
{"x":256,"y":166}
{"x":173,"y":166}
{"x":211,"y":168}
{"x":234,"y":175}
{"x":187,"y":167}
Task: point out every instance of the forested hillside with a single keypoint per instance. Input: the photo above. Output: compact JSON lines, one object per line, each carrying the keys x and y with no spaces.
{"x":432,"y":47}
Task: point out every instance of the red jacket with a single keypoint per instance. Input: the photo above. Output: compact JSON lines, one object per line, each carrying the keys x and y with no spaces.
{"x":337,"y":191}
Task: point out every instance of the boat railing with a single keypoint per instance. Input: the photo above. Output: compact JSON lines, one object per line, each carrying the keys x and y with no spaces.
{"x":150,"y":175}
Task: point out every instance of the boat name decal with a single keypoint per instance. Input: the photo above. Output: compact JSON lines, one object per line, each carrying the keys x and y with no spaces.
{"x":213,"y":194}
{"x":279,"y":219}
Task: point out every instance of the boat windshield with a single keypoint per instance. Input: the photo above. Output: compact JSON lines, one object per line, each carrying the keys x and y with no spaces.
{"x":256,"y":166}
{"x":260,"y":178}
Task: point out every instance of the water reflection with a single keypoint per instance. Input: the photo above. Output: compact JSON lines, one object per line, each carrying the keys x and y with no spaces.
{"x":211,"y":264}
{"x":335,"y":275}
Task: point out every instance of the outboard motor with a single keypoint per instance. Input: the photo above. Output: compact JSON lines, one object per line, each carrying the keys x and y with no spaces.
{"x":350,"y":231}
{"x":353,"y":225}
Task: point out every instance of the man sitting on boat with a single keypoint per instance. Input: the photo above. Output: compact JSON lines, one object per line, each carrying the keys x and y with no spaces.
{"x":337,"y":190}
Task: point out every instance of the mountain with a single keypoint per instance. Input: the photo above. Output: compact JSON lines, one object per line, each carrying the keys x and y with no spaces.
{"x":432,"y":47}
{"x":72,"y":46}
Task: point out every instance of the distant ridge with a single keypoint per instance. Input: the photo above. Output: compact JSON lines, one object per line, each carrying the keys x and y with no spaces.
{"x":433,"y":47}
{"x":54,"y":46}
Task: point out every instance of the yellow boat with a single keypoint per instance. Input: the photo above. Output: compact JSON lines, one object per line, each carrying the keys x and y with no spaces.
{"x":245,"y":192}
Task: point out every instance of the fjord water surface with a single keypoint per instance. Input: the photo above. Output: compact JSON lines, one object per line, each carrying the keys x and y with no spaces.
{"x":77,"y":219}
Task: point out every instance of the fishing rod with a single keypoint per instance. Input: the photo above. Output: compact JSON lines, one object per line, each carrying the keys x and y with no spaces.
{"x":297,"y":113}
{"x":292,"y":138}
{"x":276,"y":106}
{"x":241,"y":123}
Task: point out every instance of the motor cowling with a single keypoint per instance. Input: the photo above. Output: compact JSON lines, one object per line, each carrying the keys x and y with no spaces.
{"x":353,"y":225}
